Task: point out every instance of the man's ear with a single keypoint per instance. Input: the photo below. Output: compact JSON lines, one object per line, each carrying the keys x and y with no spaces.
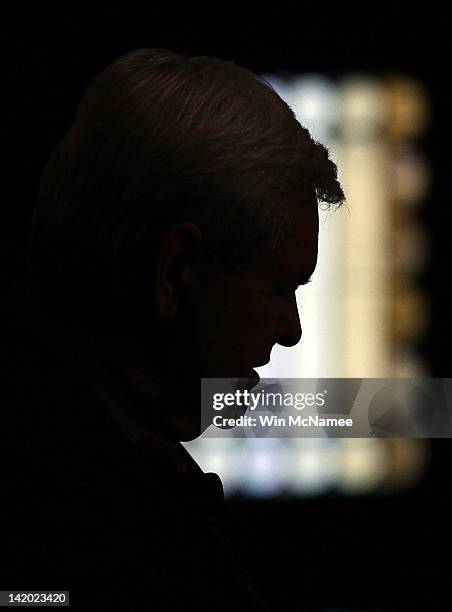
{"x":177,"y":268}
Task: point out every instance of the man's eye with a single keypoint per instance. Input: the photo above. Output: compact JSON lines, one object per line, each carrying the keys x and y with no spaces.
{"x":285,"y":290}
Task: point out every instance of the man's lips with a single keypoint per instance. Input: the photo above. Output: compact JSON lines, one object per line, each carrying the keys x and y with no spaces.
{"x":262,"y":363}
{"x":253,"y":374}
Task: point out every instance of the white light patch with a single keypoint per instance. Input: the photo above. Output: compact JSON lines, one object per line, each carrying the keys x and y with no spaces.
{"x":361,"y":465}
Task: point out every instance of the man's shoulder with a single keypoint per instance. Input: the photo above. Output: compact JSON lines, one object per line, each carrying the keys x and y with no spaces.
{"x":57,"y":434}
{"x":77,"y":494}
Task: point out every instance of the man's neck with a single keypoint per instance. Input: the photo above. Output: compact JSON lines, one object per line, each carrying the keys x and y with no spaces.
{"x":152,"y":394}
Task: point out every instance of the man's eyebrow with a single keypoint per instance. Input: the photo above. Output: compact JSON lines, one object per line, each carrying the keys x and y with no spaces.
{"x":300,"y":281}
{"x":304,"y":280}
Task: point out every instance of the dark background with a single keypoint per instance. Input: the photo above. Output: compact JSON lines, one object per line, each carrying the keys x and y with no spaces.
{"x":378,"y":552}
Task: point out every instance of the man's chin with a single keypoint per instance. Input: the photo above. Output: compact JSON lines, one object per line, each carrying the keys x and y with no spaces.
{"x":249,"y":381}
{"x":255,"y":376}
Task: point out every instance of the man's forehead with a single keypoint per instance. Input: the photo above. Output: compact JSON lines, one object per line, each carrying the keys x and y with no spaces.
{"x":297,"y":254}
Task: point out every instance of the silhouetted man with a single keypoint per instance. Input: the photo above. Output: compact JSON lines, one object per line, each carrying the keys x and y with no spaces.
{"x":173,"y":225}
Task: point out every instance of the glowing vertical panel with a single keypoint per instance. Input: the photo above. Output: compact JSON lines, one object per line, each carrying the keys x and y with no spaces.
{"x":368,"y":250}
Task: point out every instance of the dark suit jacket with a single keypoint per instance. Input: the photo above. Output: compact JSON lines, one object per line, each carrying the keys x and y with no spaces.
{"x":91,"y":503}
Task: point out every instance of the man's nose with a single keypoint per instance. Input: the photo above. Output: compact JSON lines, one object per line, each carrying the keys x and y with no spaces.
{"x":289,"y":328}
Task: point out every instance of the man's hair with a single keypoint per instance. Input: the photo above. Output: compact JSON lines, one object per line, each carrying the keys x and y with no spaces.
{"x":160,"y":138}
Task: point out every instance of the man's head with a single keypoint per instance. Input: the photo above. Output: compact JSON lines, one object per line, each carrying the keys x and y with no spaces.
{"x":180,"y":213}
